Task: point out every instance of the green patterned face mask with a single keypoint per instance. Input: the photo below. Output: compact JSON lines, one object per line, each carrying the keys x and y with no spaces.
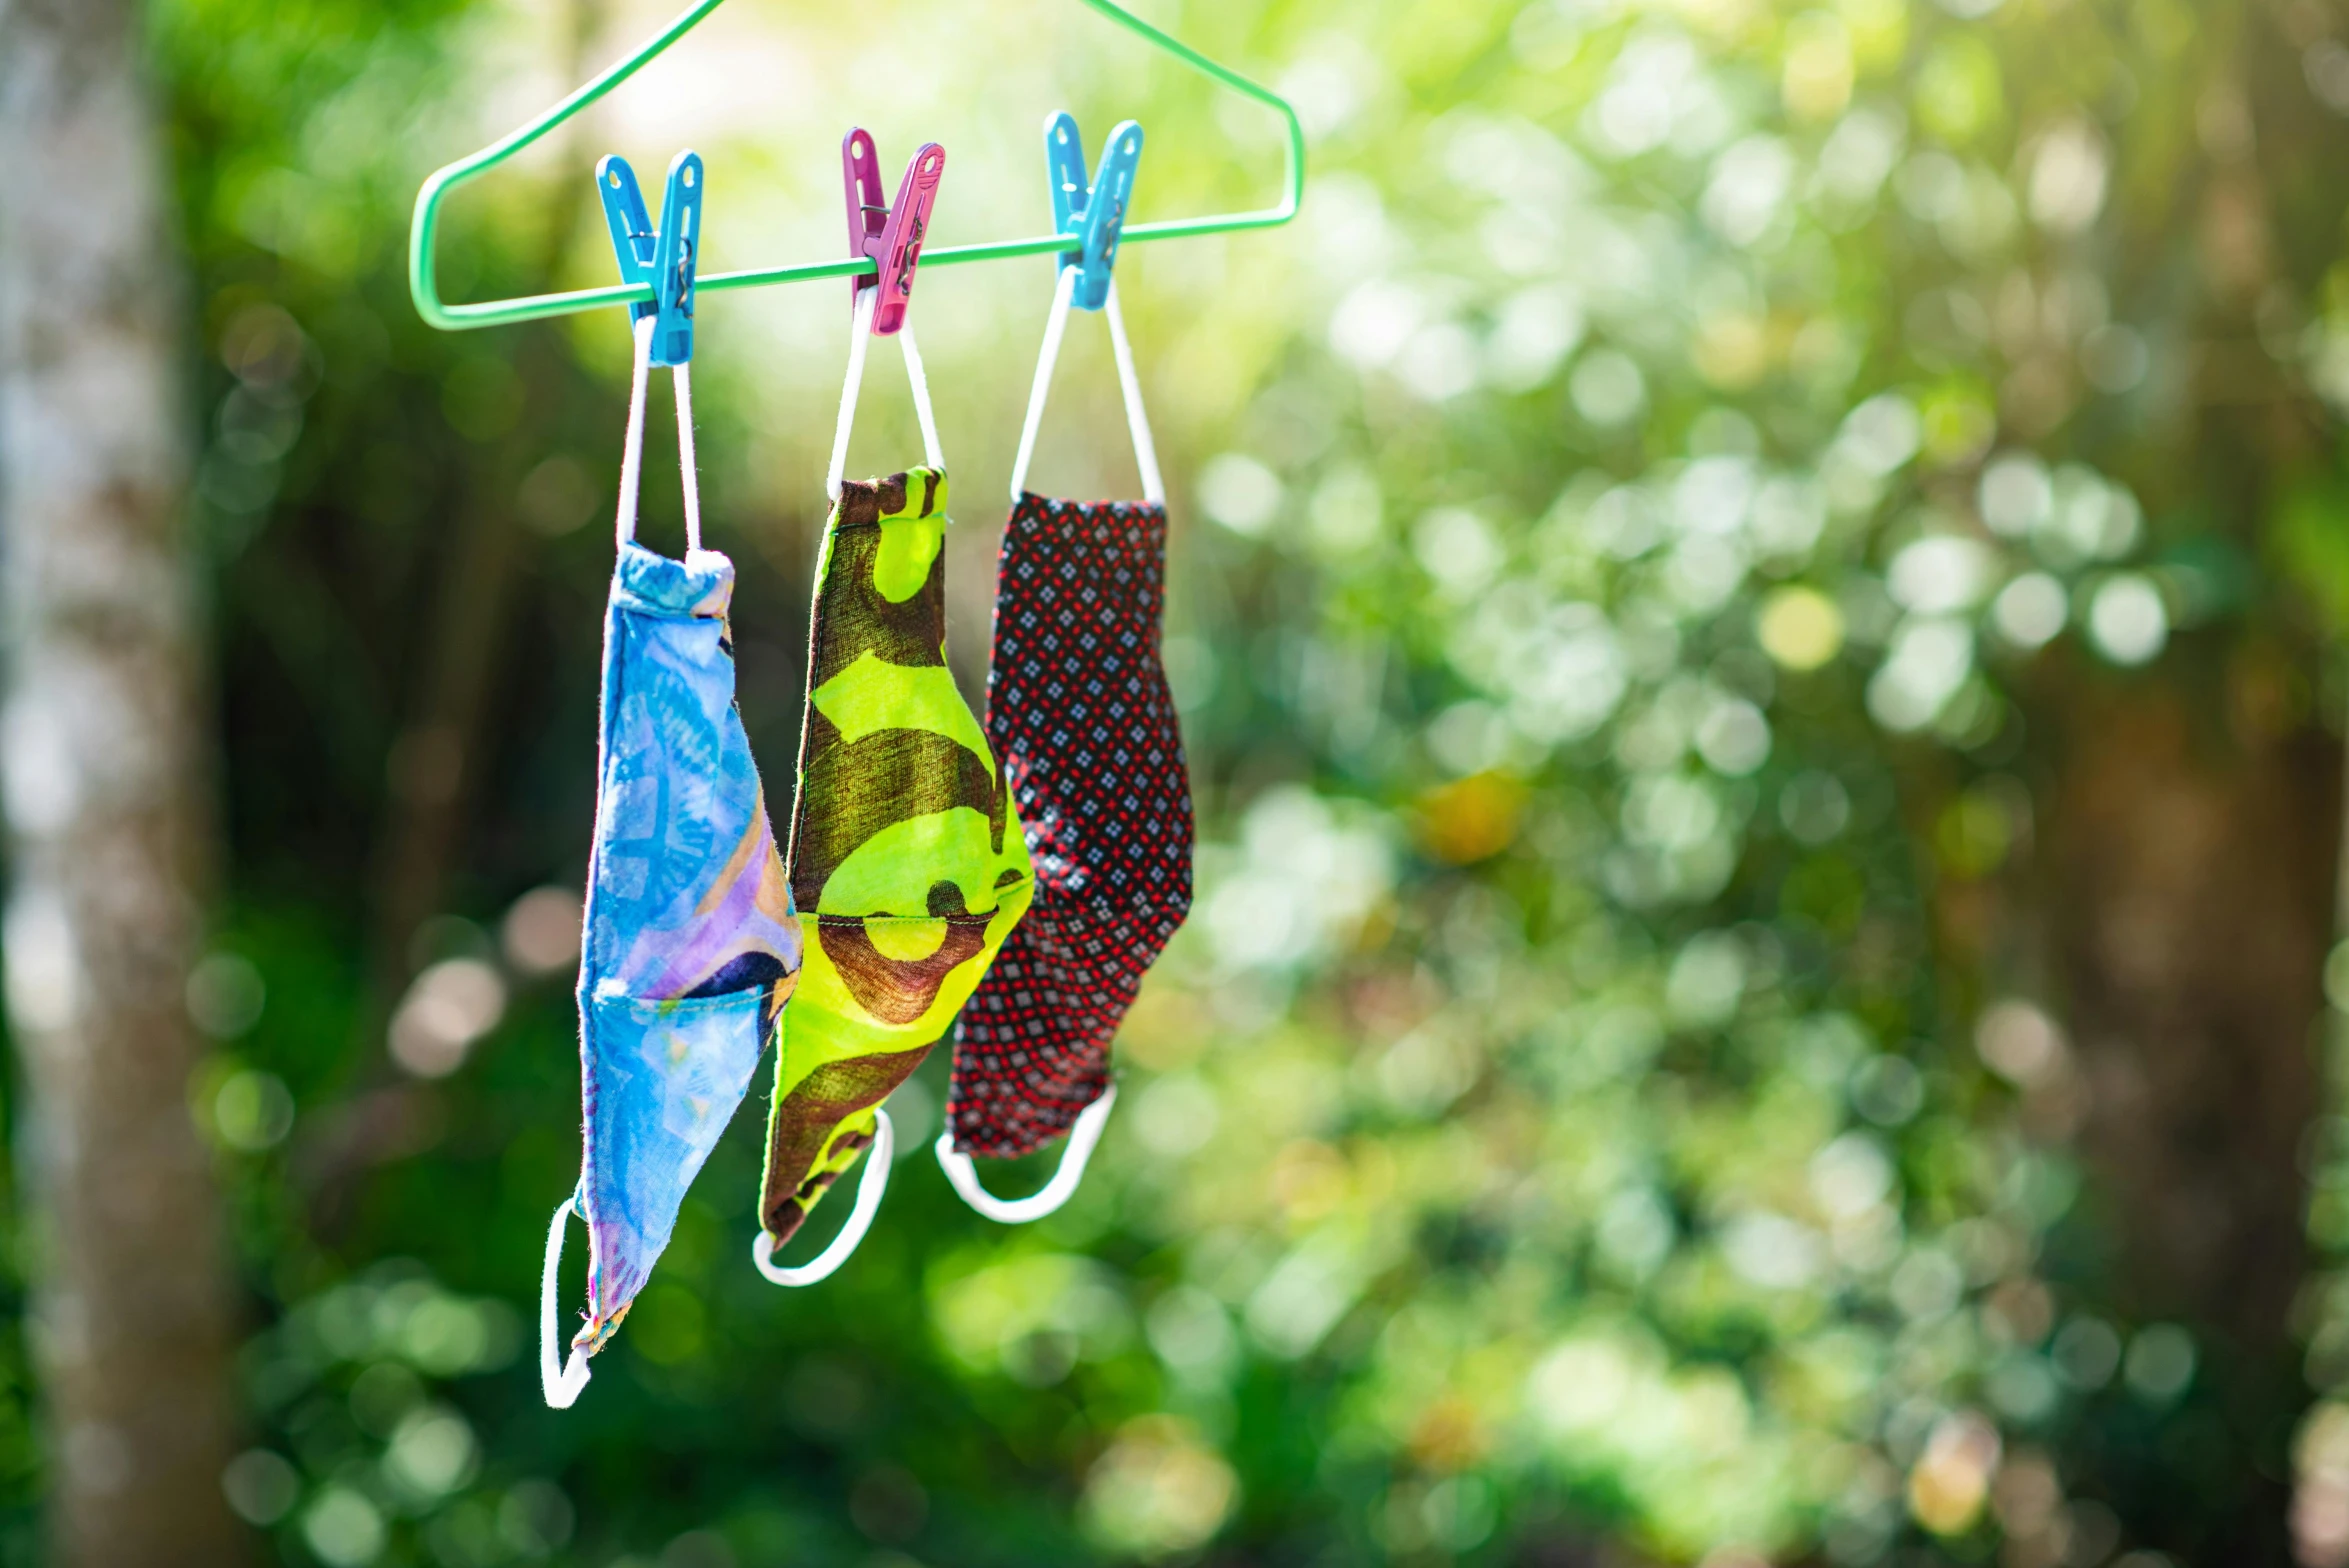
{"x":907,"y":861}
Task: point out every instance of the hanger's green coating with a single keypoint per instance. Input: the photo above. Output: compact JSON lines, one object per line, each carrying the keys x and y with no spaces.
{"x":424,"y":288}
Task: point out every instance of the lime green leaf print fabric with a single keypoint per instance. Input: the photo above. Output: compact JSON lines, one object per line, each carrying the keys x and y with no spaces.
{"x":907,"y":860}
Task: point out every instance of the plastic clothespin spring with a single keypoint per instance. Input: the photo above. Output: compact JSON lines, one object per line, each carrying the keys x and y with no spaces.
{"x":1092,"y":213}
{"x":891,"y":235}
{"x":665,"y":258}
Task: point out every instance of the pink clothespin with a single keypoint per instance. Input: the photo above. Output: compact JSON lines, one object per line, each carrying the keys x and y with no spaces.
{"x":891,"y":235}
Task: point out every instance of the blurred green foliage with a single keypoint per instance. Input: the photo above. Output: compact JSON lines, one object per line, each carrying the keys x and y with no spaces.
{"x":1619,"y":529}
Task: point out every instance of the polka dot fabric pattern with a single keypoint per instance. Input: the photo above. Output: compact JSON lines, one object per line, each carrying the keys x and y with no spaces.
{"x":1079,"y":712}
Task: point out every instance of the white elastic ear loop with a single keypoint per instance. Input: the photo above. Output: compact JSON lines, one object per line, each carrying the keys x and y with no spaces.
{"x":682,"y":377}
{"x":1137,"y":422}
{"x":860,"y":334}
{"x":1063,"y":1185}
{"x":632,"y":447}
{"x":632,"y":453}
{"x":862,"y":327}
{"x":931,"y":454}
{"x":869,"y":1188}
{"x":1055,"y":328}
{"x":561,"y":1384}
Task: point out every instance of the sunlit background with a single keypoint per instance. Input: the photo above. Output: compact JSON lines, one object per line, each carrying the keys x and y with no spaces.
{"x":1754,"y":594}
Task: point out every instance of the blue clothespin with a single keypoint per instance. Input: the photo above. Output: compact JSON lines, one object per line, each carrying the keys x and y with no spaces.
{"x":1092,"y":213}
{"x":664,"y":258}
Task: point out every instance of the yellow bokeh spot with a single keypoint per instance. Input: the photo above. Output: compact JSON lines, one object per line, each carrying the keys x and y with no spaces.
{"x":1951,"y":1480}
{"x":1728,"y":21}
{"x":1158,"y":1490}
{"x":1879,"y":31}
{"x":1168,"y":1027}
{"x":1309,"y":1179}
{"x":1959,"y":95}
{"x":1800,"y":628}
{"x":1817,"y":80}
{"x":1959,"y":425}
{"x":1732,"y":350}
{"x":1470,"y":819}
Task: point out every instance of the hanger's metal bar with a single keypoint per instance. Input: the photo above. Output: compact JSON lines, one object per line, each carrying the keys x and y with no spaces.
{"x":423,"y":278}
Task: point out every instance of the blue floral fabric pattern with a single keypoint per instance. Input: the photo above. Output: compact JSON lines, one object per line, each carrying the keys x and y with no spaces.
{"x":691,"y":944}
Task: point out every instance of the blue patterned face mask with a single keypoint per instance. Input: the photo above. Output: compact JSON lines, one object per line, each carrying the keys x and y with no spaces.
{"x":691,"y":943}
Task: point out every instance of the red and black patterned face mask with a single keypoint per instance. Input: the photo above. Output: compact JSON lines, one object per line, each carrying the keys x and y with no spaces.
{"x":1079,"y":714}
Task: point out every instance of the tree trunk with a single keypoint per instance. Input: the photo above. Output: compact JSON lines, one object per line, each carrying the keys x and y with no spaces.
{"x":2194,"y":912}
{"x":107,"y":798}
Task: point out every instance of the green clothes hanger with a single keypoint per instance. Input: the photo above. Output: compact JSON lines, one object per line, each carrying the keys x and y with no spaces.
{"x":423,"y":285}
